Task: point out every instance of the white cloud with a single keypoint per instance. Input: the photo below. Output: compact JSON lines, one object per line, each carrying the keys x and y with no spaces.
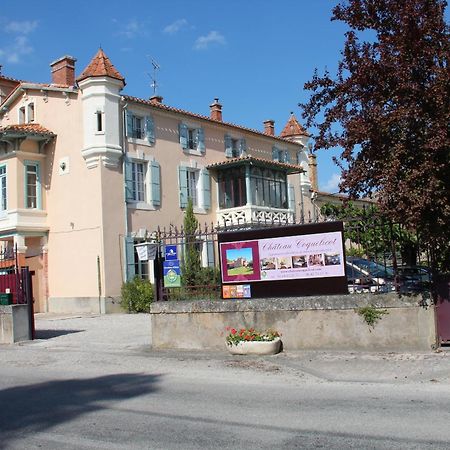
{"x":25,"y":27}
{"x":332,"y":185}
{"x":14,"y":52}
{"x":213,"y":37}
{"x":19,"y":44}
{"x":175,"y":26}
{"x":133,"y":28}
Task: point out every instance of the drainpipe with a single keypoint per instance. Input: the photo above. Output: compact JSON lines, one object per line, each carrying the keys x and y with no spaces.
{"x":124,"y":148}
{"x":99,"y":281}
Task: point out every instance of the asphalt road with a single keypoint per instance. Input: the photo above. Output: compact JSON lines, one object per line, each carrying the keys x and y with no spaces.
{"x":94,"y":382}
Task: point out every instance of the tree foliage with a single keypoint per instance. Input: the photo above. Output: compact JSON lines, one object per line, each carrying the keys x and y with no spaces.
{"x":388,"y":109}
{"x":191,"y":264}
{"x":372,"y":235}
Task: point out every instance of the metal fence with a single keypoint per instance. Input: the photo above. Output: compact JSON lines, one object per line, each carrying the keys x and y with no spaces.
{"x":381,"y":256}
{"x":10,"y":281}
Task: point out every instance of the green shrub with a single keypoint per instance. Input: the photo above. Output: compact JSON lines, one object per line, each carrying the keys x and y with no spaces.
{"x":371,"y":314}
{"x":137,"y":295}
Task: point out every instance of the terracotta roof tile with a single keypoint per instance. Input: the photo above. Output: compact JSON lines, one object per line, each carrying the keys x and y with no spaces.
{"x":100,"y":66}
{"x":199,"y":116}
{"x":10,"y":79}
{"x":27,"y":128}
{"x":291,"y":168}
{"x":293,"y":128}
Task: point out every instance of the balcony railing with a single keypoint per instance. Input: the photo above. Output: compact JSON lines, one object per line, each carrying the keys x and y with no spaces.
{"x":251,"y":214}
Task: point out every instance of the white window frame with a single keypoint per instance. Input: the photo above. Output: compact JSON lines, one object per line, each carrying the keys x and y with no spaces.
{"x":22,"y":115}
{"x":197,"y":169}
{"x":142,"y":116}
{"x":147,"y":202}
{"x":37,"y":190}
{"x":99,"y":120}
{"x":193,"y":181}
{"x":139,"y":179}
{"x":192,"y":128}
{"x":134,"y":118}
{"x":141,"y":268}
{"x":31,"y":113}
{"x":26,"y":113}
{"x":3,"y":190}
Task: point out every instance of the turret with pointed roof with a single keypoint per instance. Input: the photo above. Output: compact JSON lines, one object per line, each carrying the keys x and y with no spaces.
{"x":101,"y":66}
{"x":100,"y":85}
{"x":293,"y":128}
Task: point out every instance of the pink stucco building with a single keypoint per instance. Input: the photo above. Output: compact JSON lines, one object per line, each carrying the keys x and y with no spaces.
{"x":86,"y":170}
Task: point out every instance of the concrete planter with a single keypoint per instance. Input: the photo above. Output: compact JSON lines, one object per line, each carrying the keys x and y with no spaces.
{"x":255,"y":347}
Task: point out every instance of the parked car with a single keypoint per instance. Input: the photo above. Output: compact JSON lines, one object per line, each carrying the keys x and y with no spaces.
{"x":413,"y":278}
{"x":360,"y":281}
{"x":381,"y":277}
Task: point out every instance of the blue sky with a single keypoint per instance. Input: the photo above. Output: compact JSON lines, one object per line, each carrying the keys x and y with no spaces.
{"x":233,"y":254}
{"x":253,"y":55}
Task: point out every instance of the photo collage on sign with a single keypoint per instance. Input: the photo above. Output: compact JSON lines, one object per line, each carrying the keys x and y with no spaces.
{"x":281,"y":258}
{"x":300,"y":261}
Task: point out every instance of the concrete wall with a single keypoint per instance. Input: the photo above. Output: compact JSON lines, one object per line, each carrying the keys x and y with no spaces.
{"x":14,"y":324}
{"x":87,"y":305}
{"x":329,"y":322}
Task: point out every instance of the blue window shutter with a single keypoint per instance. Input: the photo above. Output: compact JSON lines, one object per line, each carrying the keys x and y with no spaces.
{"x":228,"y":146}
{"x":291,"y":197}
{"x":182,"y":183}
{"x":210,"y":253}
{"x":200,"y":140}
{"x":242,"y":147}
{"x":206,"y":182}
{"x":129,"y":258}
{"x":150,"y":130}
{"x":183,"y":136}
{"x":287,"y":156}
{"x":128,"y":180}
{"x":299,"y":157}
{"x":275,"y":154}
{"x":129,"y":120}
{"x":156,"y":183}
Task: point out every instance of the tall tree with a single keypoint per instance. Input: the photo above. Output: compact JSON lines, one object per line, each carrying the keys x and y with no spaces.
{"x":388,"y":109}
{"x":191,"y":263}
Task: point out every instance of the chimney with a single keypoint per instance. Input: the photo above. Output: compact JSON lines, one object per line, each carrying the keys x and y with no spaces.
{"x":63,"y":71}
{"x":216,"y":110}
{"x":156,"y":99}
{"x":312,"y":164}
{"x":269,"y":127}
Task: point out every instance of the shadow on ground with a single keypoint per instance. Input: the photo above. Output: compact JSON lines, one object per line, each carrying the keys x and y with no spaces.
{"x":49,"y":334}
{"x":37,"y":407}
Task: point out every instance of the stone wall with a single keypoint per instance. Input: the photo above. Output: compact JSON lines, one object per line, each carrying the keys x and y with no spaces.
{"x":14,"y":324}
{"x":321,"y":323}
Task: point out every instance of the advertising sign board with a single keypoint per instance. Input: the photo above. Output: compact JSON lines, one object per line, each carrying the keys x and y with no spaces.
{"x":172,"y":273}
{"x":286,"y":260}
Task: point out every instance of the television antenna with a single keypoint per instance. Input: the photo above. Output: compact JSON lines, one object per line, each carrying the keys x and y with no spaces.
{"x":154,"y":84}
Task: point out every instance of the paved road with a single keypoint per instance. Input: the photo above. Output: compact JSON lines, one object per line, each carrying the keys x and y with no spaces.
{"x":93,"y":382}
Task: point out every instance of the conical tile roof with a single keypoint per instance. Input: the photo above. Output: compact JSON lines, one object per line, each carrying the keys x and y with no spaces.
{"x":101,"y":66}
{"x":293,"y":128}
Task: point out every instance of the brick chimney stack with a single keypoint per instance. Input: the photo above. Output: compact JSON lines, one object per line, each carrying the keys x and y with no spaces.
{"x":216,"y":110}
{"x":63,"y":71}
{"x":312,"y":164}
{"x":269,"y":127}
{"x":156,"y":99}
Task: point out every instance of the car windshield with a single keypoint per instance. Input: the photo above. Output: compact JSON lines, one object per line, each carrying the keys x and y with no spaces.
{"x":353,"y":273}
{"x":376,"y":270}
